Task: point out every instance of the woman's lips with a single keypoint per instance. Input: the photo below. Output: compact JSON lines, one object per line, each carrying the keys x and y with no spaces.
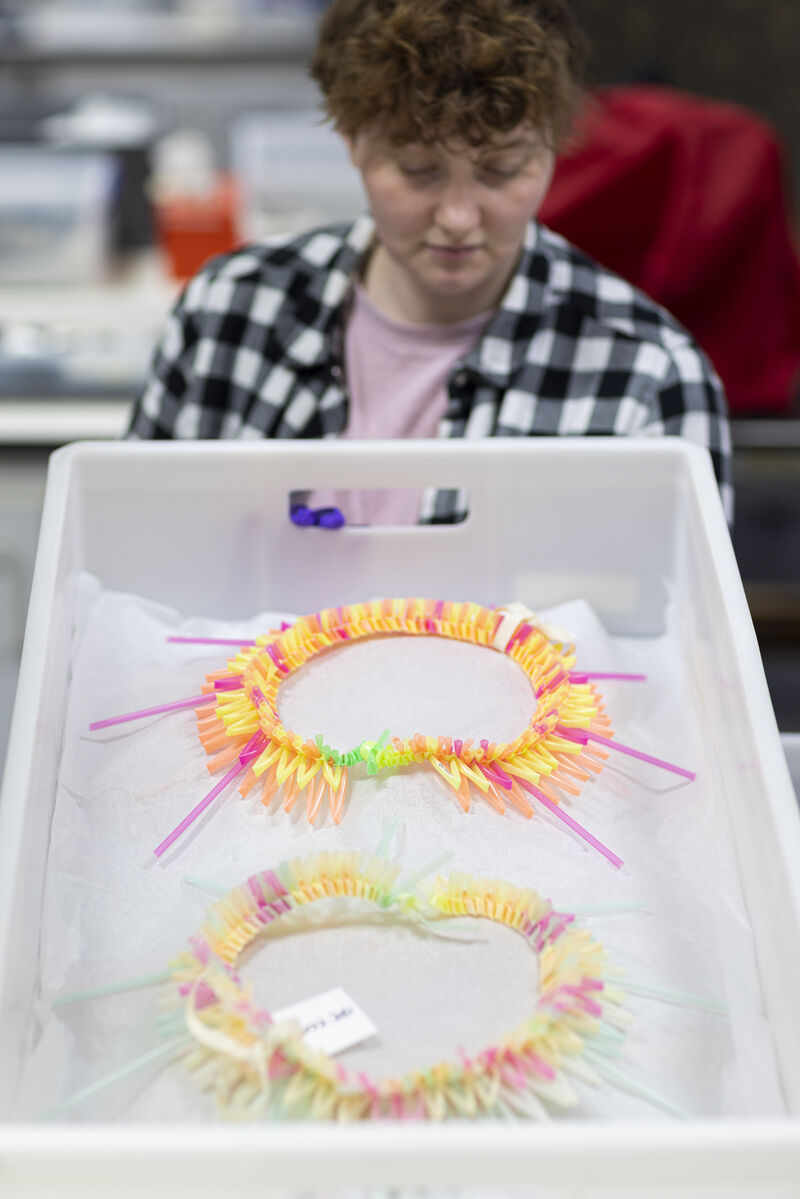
{"x":452,"y":253}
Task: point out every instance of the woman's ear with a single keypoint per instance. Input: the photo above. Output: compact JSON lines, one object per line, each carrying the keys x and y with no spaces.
{"x":548,"y":169}
{"x":351,"y":145}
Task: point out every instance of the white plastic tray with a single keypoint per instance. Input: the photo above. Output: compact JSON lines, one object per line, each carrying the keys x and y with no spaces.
{"x":203,"y":527}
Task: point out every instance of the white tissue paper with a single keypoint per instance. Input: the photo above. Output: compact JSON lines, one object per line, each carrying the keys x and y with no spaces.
{"x":113,"y":912}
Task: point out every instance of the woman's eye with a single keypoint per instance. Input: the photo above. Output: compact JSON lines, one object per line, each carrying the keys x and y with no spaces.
{"x":500,"y":170}
{"x":417,"y":170}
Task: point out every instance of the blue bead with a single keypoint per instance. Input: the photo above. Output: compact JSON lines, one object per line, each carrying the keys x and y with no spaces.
{"x":302,"y":516}
{"x":330,"y":518}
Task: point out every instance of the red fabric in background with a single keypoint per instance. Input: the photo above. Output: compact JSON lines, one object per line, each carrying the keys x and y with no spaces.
{"x":685,"y":198}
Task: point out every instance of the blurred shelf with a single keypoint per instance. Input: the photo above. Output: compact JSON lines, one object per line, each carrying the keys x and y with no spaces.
{"x":73,"y":357}
{"x":49,"y":422}
{"x":135,"y":291}
{"x":43,"y":38}
{"x":769,"y":433}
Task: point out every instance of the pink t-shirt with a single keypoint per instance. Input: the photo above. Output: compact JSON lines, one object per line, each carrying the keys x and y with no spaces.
{"x":397,"y":384}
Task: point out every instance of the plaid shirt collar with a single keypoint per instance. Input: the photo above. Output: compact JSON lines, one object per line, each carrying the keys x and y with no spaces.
{"x":572,"y":350}
{"x":495,"y":359}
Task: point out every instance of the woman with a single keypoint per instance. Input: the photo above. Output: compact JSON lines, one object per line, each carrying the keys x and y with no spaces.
{"x":448,"y":311}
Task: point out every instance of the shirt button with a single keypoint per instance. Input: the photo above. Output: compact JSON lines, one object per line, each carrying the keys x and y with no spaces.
{"x":460,"y":377}
{"x":336,"y":372}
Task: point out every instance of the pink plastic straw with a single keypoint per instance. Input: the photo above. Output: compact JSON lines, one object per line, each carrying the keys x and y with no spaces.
{"x":573,"y":824}
{"x":211,"y":641}
{"x":582,"y":736}
{"x":637,"y":753}
{"x":581,"y":676}
{"x":496,"y":775}
{"x":174,"y":707}
{"x":233,"y":773}
{"x":232,"y":684}
{"x":247,"y":755}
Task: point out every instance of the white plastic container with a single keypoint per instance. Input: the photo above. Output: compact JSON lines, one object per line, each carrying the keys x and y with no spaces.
{"x":625,"y":525}
{"x":55,"y":214}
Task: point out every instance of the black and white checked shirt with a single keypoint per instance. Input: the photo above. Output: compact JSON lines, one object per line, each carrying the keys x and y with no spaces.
{"x":254,"y":348}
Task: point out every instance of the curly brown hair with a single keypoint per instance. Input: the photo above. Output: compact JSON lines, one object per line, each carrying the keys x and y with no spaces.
{"x":449,"y":71}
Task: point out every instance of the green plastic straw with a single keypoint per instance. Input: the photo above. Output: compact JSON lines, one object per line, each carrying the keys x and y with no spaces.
{"x":607,"y":909}
{"x":389,"y":830}
{"x":170,"y":1022}
{"x":632,"y":1085}
{"x":203,"y":884}
{"x":129,"y":984}
{"x":606,"y":1044}
{"x":684,"y":998}
{"x":409,"y":884}
{"x":137,"y":1064}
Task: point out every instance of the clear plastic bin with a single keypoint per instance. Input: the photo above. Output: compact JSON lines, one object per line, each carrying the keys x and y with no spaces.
{"x":630,"y":526}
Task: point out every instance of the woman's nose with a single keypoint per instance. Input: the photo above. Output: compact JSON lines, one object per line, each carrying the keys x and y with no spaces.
{"x":458,"y":212}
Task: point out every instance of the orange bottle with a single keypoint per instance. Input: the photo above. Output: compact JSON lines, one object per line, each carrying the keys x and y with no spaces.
{"x":195,"y":207}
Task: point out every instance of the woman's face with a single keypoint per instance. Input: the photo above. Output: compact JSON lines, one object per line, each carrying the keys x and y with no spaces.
{"x":450,"y":222}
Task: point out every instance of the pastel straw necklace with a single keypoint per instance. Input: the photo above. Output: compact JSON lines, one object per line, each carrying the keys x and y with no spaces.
{"x":258,"y":1067}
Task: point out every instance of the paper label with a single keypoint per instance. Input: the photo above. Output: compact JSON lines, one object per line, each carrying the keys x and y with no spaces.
{"x":331,"y":1022}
